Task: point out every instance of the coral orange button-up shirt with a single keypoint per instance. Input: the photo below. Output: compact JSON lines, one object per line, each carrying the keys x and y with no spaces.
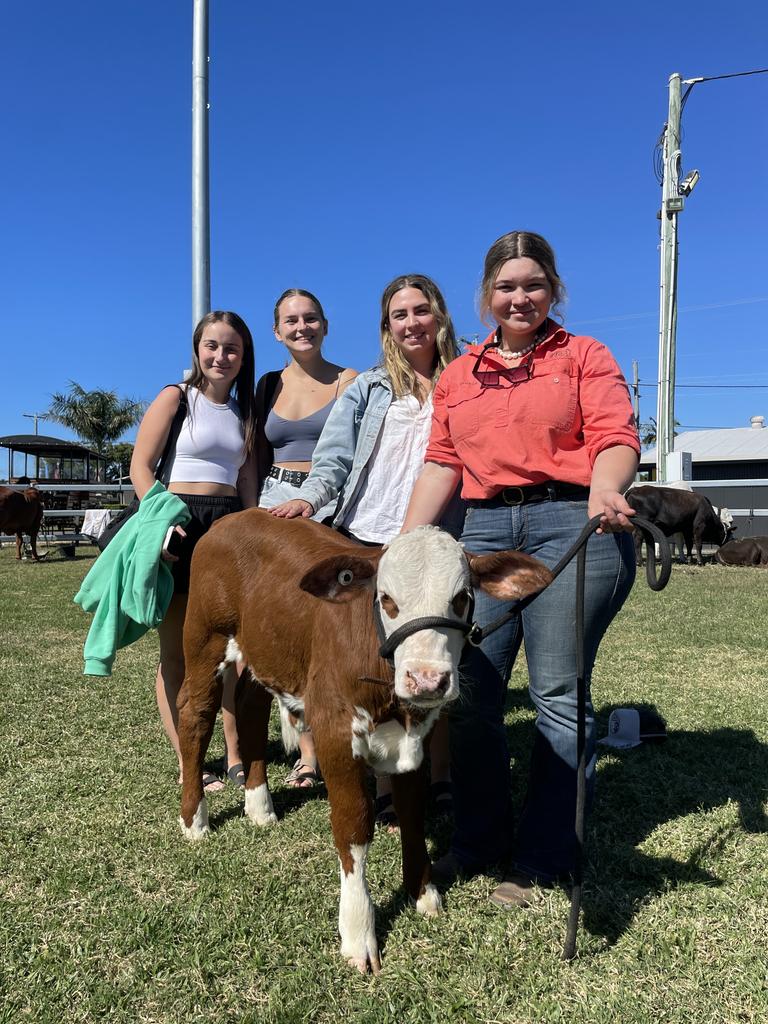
{"x":550,"y":427}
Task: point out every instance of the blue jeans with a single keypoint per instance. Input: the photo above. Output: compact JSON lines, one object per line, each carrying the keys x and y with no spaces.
{"x":544,"y":844}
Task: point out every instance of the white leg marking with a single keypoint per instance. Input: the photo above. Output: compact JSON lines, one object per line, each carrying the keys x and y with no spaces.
{"x":356,"y":917}
{"x":258,"y":805}
{"x":199,"y":826}
{"x":429,"y":903}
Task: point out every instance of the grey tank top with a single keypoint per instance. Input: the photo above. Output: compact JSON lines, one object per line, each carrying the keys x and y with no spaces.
{"x":295,"y":440}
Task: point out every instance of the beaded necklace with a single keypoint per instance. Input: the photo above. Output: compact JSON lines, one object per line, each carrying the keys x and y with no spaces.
{"x":506,"y":354}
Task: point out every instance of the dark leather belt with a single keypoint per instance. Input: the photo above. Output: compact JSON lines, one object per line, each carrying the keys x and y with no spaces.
{"x":294,"y":477}
{"x":551,"y":490}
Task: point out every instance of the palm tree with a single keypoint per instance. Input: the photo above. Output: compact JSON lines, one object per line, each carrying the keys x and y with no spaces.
{"x":648,"y":432}
{"x":97,"y":417}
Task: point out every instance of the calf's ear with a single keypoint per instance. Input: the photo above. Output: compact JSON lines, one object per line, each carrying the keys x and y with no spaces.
{"x":340,"y":578}
{"x":508,"y":575}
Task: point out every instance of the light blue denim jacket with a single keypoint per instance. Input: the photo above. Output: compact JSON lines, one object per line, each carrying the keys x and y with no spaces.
{"x":341,"y":456}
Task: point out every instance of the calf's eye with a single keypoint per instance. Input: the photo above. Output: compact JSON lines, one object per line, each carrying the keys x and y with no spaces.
{"x":345,"y":577}
{"x":389,"y":606}
{"x":460,"y":603}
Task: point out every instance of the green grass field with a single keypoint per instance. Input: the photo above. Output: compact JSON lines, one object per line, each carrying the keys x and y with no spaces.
{"x":109,"y":915}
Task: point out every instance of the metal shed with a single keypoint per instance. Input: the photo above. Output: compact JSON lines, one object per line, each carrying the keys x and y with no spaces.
{"x":730,"y":467}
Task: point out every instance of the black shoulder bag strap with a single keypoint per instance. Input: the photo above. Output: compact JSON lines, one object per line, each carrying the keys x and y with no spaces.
{"x":273,"y":379}
{"x":173,"y":435}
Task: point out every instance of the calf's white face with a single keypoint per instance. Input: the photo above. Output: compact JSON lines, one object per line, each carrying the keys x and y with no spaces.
{"x":425,"y":573}
{"x":421,"y":574}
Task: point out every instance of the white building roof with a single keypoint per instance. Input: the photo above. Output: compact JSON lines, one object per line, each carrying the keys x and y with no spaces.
{"x":732,"y":444}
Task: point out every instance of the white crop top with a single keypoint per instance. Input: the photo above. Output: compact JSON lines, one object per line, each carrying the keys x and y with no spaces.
{"x":210,"y":446}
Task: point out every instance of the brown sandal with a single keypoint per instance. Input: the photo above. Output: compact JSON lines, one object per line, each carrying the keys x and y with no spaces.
{"x":303,"y":776}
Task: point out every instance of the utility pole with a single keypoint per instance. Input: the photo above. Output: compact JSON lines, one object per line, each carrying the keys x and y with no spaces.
{"x":201,"y":225}
{"x":34,"y":416}
{"x":673,"y":194}
{"x":671,"y":205}
{"x":636,"y":392}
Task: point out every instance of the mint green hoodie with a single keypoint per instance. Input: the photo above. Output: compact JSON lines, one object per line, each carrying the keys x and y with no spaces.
{"x":129,"y":586}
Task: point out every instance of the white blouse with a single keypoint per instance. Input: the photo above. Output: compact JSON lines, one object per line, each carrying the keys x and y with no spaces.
{"x":378,"y":512}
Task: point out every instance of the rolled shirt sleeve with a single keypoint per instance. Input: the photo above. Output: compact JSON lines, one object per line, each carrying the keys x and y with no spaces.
{"x":441,"y":448}
{"x":606,"y":409}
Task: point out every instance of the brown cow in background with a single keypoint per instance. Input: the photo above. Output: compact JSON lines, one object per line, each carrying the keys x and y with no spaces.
{"x":21,"y":512}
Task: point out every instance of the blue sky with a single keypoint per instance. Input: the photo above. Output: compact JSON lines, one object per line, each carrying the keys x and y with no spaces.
{"x":353,"y":142}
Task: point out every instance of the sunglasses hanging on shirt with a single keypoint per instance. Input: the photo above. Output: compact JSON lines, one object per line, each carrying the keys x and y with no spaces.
{"x":512,"y":374}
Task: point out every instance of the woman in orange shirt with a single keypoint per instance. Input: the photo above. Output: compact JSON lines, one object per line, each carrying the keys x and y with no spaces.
{"x":538,"y":424}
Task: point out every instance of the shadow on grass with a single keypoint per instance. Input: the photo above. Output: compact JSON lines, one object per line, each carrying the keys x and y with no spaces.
{"x":648,"y":786}
{"x":55,"y":557}
{"x":641,"y":790}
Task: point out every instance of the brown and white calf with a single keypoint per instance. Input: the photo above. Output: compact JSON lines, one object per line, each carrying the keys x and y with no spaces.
{"x":295,"y":602}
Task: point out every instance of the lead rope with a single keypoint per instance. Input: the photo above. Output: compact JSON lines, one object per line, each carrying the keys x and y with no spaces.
{"x":657,"y":580}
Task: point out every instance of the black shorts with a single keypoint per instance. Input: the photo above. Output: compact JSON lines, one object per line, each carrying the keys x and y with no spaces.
{"x":205,"y":509}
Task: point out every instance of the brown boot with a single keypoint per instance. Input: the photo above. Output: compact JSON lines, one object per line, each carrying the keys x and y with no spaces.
{"x":516,"y":890}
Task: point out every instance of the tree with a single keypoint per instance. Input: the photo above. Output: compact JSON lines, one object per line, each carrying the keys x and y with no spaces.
{"x":97,"y":417}
{"x":648,"y":432}
{"x":118,"y":460}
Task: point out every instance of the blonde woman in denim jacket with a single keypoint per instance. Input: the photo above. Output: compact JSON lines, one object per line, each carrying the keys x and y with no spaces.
{"x":372,"y":449}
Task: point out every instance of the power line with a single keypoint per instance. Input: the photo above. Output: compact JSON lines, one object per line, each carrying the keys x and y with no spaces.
{"x":683,"y":309}
{"x":716,"y":78}
{"x":730,"y":387}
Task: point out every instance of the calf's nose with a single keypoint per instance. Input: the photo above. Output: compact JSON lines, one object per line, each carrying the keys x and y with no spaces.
{"x":428,"y":680}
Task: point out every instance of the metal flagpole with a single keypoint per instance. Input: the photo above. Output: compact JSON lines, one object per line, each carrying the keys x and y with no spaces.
{"x":201,"y":226}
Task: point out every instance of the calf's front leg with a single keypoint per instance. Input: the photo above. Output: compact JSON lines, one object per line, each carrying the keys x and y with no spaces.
{"x":352,"y":824}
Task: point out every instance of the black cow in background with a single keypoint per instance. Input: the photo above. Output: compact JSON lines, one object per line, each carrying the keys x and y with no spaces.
{"x":679,"y":511}
{"x":749,"y":551}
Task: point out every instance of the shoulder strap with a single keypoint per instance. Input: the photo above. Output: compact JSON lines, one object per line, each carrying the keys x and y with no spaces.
{"x":273,"y":379}
{"x":173,"y":434}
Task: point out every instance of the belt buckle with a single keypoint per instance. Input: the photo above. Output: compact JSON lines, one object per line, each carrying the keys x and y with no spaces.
{"x":506,"y":499}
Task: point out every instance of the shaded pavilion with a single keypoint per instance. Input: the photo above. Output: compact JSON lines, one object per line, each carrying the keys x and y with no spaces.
{"x":56,"y":461}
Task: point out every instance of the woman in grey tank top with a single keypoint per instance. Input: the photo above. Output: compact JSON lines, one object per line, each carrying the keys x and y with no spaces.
{"x":292,"y":407}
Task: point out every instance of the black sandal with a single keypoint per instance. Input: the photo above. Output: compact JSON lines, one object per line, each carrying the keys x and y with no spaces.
{"x":211,"y":782}
{"x":236,"y":775}
{"x":441,"y":795}
{"x":384,"y":812}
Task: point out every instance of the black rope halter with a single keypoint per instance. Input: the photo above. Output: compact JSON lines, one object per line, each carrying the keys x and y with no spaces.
{"x":390,"y":643}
